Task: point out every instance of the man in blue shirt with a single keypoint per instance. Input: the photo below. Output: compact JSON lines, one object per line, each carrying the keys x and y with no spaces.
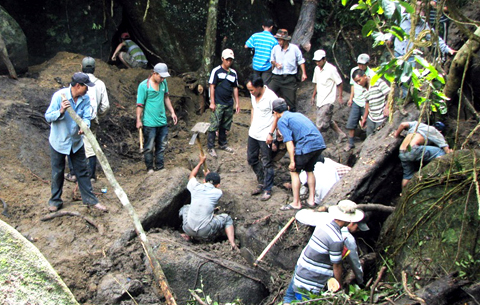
{"x":66,"y":139}
{"x":262,"y":43}
{"x":304,"y":145}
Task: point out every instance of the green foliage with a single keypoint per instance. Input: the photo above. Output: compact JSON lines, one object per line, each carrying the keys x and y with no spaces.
{"x":468,"y":267}
{"x":412,"y":70}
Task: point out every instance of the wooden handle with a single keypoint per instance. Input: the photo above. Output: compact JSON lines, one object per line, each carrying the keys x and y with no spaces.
{"x":270,"y":245}
{"x":201,"y":152}
{"x":140,"y":136}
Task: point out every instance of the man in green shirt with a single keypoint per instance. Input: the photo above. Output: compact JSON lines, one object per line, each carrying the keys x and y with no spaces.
{"x":152,"y":98}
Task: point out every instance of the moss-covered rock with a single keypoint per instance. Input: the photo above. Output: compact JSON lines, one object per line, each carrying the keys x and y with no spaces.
{"x":15,"y":41}
{"x":434,"y":229}
{"x":26,"y":277}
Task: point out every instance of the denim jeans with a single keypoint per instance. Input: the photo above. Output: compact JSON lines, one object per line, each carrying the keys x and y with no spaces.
{"x":410,"y":158}
{"x":80,"y":168}
{"x":155,"y":139}
{"x":264,"y":170}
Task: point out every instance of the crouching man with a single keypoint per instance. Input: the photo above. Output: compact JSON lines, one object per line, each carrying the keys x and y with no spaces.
{"x":199,"y":220}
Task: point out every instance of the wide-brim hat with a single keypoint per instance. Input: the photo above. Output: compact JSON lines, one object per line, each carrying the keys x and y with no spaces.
{"x":346,"y":210}
{"x":282,"y":34}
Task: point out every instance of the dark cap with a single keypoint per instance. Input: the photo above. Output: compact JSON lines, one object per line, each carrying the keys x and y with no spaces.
{"x":82,"y":78}
{"x":439,"y":126}
{"x":88,"y":62}
{"x":279,"y":105}
{"x":212,"y":178}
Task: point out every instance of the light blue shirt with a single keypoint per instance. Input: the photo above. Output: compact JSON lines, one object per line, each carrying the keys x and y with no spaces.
{"x":289,"y":58}
{"x":296,"y":127}
{"x":401,"y":47}
{"x":263,"y":44}
{"x":64,"y":135}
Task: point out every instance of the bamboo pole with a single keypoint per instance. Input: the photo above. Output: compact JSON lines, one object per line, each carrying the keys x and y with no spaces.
{"x":270,"y":245}
{"x":154,"y":263}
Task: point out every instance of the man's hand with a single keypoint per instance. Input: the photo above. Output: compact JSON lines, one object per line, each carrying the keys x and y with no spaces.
{"x":114,"y":57}
{"x":80,"y":132}
{"x":269,"y":139}
{"x":340,"y":100}
{"x":139,"y":124}
{"x":312,"y":101}
{"x":202,"y":159}
{"x":174,"y":117}
{"x":212,"y":106}
{"x":386,"y":111}
{"x":237,"y":108}
{"x":362,"y":123}
{"x":452,"y":51}
{"x":291,"y":166}
{"x":64,"y":105}
{"x":304,"y":76}
{"x":349,"y":103}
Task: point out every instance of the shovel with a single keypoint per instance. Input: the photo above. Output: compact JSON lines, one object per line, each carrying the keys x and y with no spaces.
{"x":140,"y":137}
{"x":200,"y":127}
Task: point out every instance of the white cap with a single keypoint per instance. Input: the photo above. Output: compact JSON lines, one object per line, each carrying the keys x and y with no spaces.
{"x":319,"y":55}
{"x":161,"y":69}
{"x":227,"y":53}
{"x":363,"y":59}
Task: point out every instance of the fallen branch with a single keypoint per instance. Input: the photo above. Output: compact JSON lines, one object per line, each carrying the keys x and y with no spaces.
{"x":197,"y":298}
{"x":38,"y":177}
{"x":155,"y":264}
{"x":375,"y":284}
{"x":375,"y":207}
{"x":262,"y":219}
{"x":69,"y":213}
{"x":410,"y":294}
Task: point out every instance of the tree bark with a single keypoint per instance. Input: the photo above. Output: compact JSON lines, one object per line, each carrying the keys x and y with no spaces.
{"x":304,"y":29}
{"x":154,"y":262}
{"x":457,"y":67}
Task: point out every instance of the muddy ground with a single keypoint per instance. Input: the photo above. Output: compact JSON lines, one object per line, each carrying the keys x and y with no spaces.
{"x":79,"y":252}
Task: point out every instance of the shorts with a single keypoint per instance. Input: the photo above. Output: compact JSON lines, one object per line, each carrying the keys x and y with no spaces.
{"x":356,"y":113}
{"x":307,"y":161}
{"x":372,"y":127}
{"x":132,"y":62}
{"x":324,"y":117}
{"x":212,"y":229}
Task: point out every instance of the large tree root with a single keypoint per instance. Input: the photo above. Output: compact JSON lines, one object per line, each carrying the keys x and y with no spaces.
{"x":69,"y":213}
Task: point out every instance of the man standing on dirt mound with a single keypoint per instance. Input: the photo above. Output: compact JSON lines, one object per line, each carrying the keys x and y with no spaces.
{"x":223,"y":85}
{"x":66,"y":139}
{"x":260,"y":135}
{"x":304,"y":145}
{"x":152,"y":98}
{"x":199,"y":219}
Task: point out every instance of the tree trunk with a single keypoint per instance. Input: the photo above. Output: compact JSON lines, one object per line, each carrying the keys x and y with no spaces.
{"x":304,"y":29}
{"x":6,"y":59}
{"x":155,"y":264}
{"x":455,"y":75}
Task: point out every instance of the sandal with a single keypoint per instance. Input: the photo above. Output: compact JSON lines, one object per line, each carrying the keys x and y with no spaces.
{"x":70,"y":177}
{"x":289,"y":207}
{"x":258,"y":190}
{"x":267,"y":195}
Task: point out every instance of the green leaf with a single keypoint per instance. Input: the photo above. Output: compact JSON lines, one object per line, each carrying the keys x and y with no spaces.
{"x":397,"y":32}
{"x":407,"y":7}
{"x":388,"y":7}
{"x":344,"y":2}
{"x":368,"y":28}
{"x":360,"y":6}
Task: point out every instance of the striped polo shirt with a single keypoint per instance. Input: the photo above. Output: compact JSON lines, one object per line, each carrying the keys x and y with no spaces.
{"x":134,"y":50}
{"x":263,"y":44}
{"x":315,"y":264}
{"x":376,"y":96}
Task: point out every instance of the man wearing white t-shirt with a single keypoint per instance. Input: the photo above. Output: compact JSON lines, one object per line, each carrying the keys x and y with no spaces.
{"x":260,"y":135}
{"x":328,"y":82}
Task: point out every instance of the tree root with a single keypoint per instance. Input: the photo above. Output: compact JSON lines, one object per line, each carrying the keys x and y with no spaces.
{"x":69,"y":213}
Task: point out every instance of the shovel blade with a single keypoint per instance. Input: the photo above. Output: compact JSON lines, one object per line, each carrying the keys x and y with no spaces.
{"x":200,"y":127}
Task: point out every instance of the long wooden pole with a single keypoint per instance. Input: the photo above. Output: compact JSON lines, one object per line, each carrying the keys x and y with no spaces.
{"x":273,"y":241}
{"x":154,"y":263}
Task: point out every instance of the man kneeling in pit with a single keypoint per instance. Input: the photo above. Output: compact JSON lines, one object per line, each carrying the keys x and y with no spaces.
{"x":199,"y":220}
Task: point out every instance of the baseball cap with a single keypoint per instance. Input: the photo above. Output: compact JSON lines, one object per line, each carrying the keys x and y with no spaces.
{"x":363,"y":59}
{"x":125,"y":35}
{"x":227,"y":53}
{"x":161,"y":69}
{"x":82,"y":78}
{"x":88,"y":62}
{"x":439,"y":126}
{"x":213,"y":178}
{"x":279,"y":105}
{"x":319,"y":55}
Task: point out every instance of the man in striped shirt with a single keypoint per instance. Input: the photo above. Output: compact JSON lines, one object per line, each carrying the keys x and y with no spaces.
{"x":133,"y":57}
{"x":375,"y":100}
{"x":321,"y":259}
{"x":262,"y":43}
